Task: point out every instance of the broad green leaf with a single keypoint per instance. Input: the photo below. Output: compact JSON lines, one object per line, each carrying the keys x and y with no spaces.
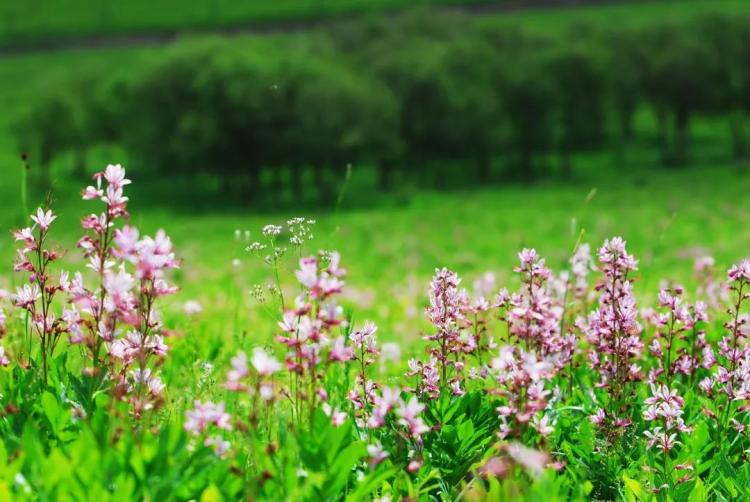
{"x":211,"y":494}
{"x":341,"y":469}
{"x":51,"y":407}
{"x":634,"y":491}
{"x":698,"y":493}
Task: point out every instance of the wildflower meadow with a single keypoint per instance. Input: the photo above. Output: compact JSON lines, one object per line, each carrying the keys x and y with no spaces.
{"x":560,"y":385}
{"x":374,"y":250}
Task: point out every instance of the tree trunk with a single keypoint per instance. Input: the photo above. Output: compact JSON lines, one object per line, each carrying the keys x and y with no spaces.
{"x":526,"y":165}
{"x":79,"y":163}
{"x":682,"y":135}
{"x":483,"y":166}
{"x":296,"y":172}
{"x":663,"y":126}
{"x":254,"y":186}
{"x":739,"y":138}
{"x":566,"y":164}
{"x":385,"y":170}
{"x":325,"y":194}
{"x":277,"y":185}
{"x":627,"y":111}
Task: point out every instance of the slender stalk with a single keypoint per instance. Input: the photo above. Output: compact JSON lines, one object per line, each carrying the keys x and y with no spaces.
{"x":668,"y":354}
{"x":25,"y":186}
{"x":693,"y":354}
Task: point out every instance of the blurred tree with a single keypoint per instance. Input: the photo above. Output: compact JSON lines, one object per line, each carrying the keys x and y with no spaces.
{"x":679,"y":80}
{"x":166,"y":126}
{"x":414,"y":96}
{"x":728,"y":42}
{"x":627,"y":56}
{"x":448,"y":106}
{"x":341,"y":118}
{"x":54,"y":126}
{"x":416,"y":76}
{"x":474,"y":118}
{"x":577,"y":74}
{"x":201,"y":109}
{"x":528,"y":98}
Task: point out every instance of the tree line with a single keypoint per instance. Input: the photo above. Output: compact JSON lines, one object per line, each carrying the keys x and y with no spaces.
{"x":416,"y":98}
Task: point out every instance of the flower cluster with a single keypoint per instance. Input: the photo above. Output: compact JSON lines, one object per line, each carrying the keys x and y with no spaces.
{"x":710,"y":287}
{"x":534,"y":319}
{"x":264,"y":365}
{"x":116,"y":319}
{"x":35,"y":257}
{"x":300,"y":230}
{"x":732,"y":369}
{"x":678,"y":346}
{"x":308,"y":328}
{"x":329,"y":381}
{"x":522,"y":378}
{"x":446,"y":314}
{"x":407,"y":413}
{"x":664,"y":407}
{"x":93,"y":315}
{"x":613,"y":331}
{"x":206,"y":418}
{"x":254,"y":380}
{"x":363,"y":352}
{"x":133,"y":300}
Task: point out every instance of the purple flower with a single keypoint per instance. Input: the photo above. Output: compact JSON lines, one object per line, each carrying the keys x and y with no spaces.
{"x":377,"y":453}
{"x":204,"y":415}
{"x":340,"y":352}
{"x":263,"y":363}
{"x":408,"y":413}
{"x":115,"y":175}
{"x":43,"y":218}
{"x":664,"y":407}
{"x":238,"y":372}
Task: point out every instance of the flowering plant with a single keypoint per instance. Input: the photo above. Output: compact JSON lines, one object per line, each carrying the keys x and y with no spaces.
{"x":556,"y":385}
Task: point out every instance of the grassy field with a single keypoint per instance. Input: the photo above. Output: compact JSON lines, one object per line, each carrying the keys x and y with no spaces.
{"x":51,"y":21}
{"x":618,"y":15}
{"x":81,"y":18}
{"x":391,"y":250}
{"x":392,"y":244}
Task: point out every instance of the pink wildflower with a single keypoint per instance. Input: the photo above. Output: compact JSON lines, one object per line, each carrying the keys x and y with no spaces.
{"x":263,"y":363}
{"x":43,"y":218}
{"x":205,"y":414}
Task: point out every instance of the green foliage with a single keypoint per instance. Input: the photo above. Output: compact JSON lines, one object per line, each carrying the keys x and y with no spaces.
{"x":412,"y":98}
{"x":58,"y":456}
{"x":580,"y":86}
{"x":464,"y":432}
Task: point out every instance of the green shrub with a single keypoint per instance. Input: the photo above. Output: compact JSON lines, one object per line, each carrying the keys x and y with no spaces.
{"x":412,"y":97}
{"x":579,"y":84}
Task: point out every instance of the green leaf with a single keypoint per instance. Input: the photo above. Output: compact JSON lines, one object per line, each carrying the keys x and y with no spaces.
{"x":51,"y":407}
{"x":587,"y":487}
{"x":370,"y":483}
{"x":698,"y":493}
{"x":211,"y":494}
{"x":57,"y":468}
{"x":633,"y":490}
{"x":342,"y":468}
{"x":5,"y":491}
{"x":699,"y":438}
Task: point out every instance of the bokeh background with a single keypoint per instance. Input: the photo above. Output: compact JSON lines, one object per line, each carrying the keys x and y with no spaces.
{"x":418,"y":134}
